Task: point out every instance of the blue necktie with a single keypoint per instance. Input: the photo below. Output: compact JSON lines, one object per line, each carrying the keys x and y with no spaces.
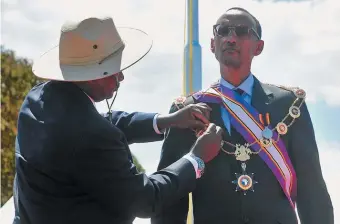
{"x":239,"y":91}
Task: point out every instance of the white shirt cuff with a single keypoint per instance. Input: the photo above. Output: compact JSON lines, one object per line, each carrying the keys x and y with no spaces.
{"x":155,"y":127}
{"x":194,"y":163}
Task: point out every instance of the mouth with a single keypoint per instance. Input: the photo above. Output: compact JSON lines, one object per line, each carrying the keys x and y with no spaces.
{"x":230,"y":49}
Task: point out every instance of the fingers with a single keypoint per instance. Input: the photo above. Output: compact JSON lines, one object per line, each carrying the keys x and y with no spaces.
{"x":204,"y":105}
{"x":211,"y":128}
{"x":219,"y":130}
{"x":196,"y":124}
{"x":205,"y":109}
{"x":199,"y":115}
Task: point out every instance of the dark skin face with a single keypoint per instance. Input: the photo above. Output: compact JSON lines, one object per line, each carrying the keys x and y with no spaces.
{"x":102,"y":89}
{"x":235,"y":53}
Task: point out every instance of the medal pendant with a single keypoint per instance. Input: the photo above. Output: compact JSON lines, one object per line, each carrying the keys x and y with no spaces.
{"x":242,"y":152}
{"x":267,"y":136}
{"x":267,"y":133}
{"x":244,"y":181}
{"x":266,"y":142}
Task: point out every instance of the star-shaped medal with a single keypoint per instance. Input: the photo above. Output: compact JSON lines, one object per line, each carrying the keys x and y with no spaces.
{"x":244,"y":181}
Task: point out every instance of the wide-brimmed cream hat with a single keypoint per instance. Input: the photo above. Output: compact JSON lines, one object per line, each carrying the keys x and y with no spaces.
{"x":91,"y":49}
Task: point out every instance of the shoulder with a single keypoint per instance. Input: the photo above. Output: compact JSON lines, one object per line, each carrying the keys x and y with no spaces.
{"x":67,"y":94}
{"x":33,"y":101}
{"x":185,"y":100}
{"x":51,"y":91}
{"x":182,"y":101}
{"x":290,"y":99}
{"x":61,"y":90}
{"x":55,"y":101}
{"x":286,"y":92}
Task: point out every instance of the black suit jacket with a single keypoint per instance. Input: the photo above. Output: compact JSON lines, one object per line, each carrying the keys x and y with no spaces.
{"x":214,"y":198}
{"x":74,"y":166}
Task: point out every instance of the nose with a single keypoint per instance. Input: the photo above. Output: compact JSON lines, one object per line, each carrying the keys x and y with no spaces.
{"x":231,"y":38}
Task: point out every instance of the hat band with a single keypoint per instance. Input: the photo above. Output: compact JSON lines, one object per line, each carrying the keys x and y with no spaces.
{"x":93,"y":59}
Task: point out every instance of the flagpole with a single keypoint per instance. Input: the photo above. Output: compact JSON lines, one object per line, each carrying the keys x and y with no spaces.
{"x":192,"y":65}
{"x":192,"y":74}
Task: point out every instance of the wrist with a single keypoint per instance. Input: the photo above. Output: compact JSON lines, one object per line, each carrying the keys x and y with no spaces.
{"x":198,"y":155}
{"x":197,"y":162}
{"x":195,"y":151}
{"x":164,"y":121}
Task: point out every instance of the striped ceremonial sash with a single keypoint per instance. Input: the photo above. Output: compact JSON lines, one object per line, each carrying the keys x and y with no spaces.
{"x":245,"y":119}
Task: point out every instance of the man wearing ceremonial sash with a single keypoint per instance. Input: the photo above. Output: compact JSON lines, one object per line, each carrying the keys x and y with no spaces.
{"x":269,"y":164}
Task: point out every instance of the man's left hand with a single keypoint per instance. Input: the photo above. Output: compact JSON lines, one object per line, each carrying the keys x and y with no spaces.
{"x":195,"y":116}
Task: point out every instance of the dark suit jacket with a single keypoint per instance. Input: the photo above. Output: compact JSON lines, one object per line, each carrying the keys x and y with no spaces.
{"x":214,"y":198}
{"x":73,"y":166}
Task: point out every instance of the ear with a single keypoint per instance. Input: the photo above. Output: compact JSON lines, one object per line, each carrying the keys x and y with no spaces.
{"x":212,"y":45}
{"x":259,"y":47}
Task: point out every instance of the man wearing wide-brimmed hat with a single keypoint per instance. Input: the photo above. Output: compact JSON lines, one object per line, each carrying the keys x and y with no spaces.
{"x":72,"y":164}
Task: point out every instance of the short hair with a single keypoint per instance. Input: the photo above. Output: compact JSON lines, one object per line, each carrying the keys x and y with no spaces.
{"x":258,"y":25}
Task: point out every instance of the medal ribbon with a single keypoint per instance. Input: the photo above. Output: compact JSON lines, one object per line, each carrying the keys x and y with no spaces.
{"x":245,"y":119}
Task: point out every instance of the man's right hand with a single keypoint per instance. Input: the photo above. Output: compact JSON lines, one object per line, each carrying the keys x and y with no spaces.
{"x":208,"y":145}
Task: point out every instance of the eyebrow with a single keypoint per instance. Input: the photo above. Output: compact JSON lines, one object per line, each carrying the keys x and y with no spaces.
{"x":222,"y":23}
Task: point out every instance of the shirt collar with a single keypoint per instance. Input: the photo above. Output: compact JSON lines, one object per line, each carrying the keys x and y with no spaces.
{"x":94,"y":104}
{"x":246,"y":85}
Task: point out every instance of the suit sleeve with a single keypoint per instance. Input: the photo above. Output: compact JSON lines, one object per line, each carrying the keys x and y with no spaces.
{"x":137,"y":126}
{"x":313,"y":201}
{"x":102,"y":169}
{"x":176,"y":144}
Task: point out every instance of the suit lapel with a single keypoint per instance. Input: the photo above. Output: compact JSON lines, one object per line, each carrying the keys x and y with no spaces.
{"x":216,"y":118}
{"x":261,"y":97}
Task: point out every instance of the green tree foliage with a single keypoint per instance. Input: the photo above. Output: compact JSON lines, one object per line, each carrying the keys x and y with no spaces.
{"x":16,"y":80}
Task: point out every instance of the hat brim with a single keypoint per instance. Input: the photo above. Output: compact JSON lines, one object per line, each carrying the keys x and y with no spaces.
{"x":137,"y":45}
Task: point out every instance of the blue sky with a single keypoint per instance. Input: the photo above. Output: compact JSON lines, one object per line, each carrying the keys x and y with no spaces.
{"x":301,"y":49}
{"x":326,"y":121}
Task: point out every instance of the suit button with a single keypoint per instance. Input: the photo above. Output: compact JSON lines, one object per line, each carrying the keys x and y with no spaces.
{"x":245,"y":219}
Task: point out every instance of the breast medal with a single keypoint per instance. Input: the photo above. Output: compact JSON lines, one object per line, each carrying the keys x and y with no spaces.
{"x":244,"y":181}
{"x":267,"y":133}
